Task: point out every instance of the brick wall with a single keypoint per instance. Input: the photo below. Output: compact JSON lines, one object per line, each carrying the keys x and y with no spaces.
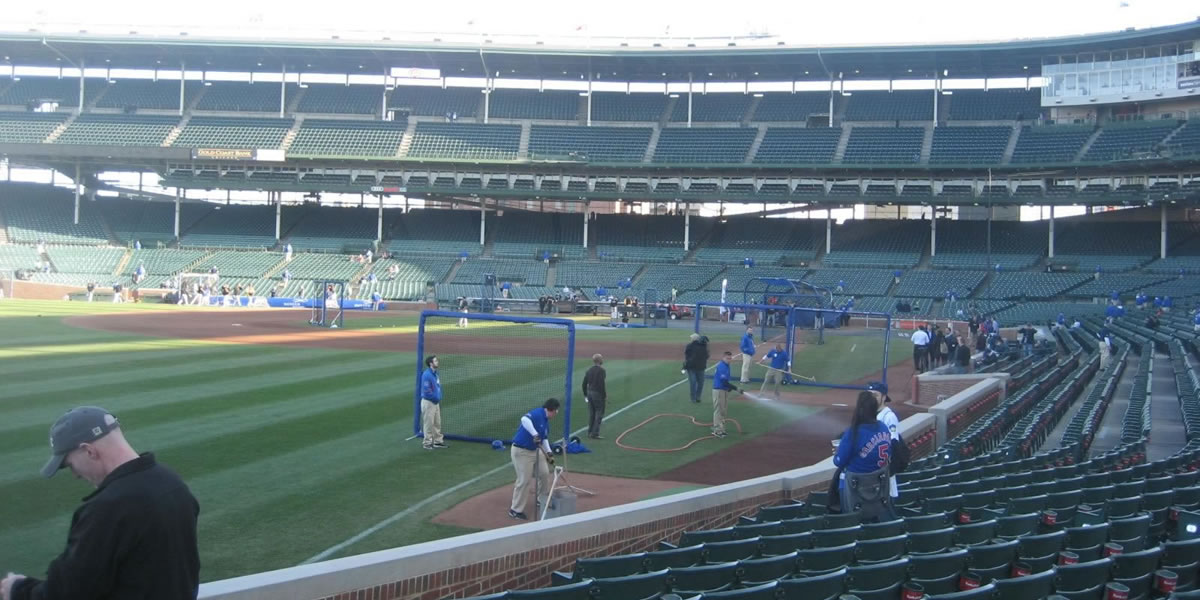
{"x":531,"y":568}
{"x":931,"y":390}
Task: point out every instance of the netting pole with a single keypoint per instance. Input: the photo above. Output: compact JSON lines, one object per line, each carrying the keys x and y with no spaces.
{"x":887,"y":340}
{"x":570,"y":387}
{"x":420,"y":371}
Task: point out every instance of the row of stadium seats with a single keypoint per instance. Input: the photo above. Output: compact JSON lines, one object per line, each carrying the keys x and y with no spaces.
{"x":328,"y":137}
{"x":915,"y":105}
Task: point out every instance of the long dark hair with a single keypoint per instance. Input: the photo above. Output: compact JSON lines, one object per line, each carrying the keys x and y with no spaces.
{"x":864,"y":411}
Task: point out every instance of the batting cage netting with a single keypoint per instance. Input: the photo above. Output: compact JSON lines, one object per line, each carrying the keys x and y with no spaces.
{"x":493,"y":369}
{"x":819,"y":341}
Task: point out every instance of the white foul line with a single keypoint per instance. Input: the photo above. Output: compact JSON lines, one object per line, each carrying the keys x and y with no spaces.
{"x":454,"y":488}
{"x":853,"y":346}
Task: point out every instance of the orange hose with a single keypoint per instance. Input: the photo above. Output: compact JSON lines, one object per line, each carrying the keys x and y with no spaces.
{"x":685,"y":446}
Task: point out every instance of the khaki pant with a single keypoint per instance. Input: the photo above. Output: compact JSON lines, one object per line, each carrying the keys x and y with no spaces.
{"x":523,"y":461}
{"x":720,"y":406}
{"x":773,"y":377}
{"x":747,"y":360}
{"x":431,"y":422}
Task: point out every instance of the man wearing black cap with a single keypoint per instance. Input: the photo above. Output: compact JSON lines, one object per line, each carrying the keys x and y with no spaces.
{"x":135,"y":536}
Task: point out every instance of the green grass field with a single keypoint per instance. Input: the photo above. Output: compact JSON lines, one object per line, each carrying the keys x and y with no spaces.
{"x":294,"y":450}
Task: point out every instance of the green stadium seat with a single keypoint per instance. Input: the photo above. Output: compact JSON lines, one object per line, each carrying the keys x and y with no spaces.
{"x":607,"y":106}
{"x":639,"y":586}
{"x":1037,"y":585}
{"x":758,"y":571}
{"x":465,"y":141}
{"x":675,"y":557}
{"x":340,"y":99}
{"x":28,"y":127}
{"x":995,"y":105}
{"x":704,"y":145}
{"x":333,"y":138}
{"x":434,"y":101}
{"x":827,"y":586}
{"x":900,"y":105}
{"x":690,"y":581}
{"x":118,"y":130}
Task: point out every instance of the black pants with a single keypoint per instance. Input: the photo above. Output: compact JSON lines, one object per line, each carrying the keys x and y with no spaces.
{"x":595,"y":414}
{"x":921,"y":358}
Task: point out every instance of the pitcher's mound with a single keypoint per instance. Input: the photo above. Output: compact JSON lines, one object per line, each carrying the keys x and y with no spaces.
{"x":489,"y":510}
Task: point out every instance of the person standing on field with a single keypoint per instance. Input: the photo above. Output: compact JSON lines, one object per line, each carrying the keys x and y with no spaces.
{"x":134,"y":537}
{"x":721,"y":388}
{"x":595,"y":394}
{"x":695,"y":361}
{"x":780,"y":364}
{"x":431,"y":406}
{"x":531,"y":459}
{"x":747,"y":348}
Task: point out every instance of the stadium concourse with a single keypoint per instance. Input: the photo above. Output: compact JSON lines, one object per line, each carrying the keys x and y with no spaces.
{"x":1051,"y":182}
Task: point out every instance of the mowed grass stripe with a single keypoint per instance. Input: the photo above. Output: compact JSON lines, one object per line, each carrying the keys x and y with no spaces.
{"x":134,"y":355}
{"x":288,"y":507}
{"x":230,"y":378}
{"x":191,"y":400}
{"x":136,"y":373}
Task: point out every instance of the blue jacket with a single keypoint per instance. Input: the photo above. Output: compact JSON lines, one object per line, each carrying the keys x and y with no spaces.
{"x":871,"y":452}
{"x":721,"y":376}
{"x":1196,"y":320}
{"x":747,"y":347}
{"x":541,"y":423}
{"x":431,"y":386}
{"x":779,"y":359}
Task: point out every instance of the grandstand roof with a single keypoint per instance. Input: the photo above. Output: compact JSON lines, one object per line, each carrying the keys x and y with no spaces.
{"x":993,"y":59}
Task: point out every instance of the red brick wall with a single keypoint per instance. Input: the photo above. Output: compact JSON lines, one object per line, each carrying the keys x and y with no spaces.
{"x":531,"y":568}
{"x":926,"y":391}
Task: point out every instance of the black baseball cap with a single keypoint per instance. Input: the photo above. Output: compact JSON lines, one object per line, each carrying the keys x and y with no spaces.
{"x":78,"y":426}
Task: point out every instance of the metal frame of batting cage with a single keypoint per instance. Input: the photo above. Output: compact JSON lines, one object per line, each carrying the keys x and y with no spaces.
{"x":790,"y":288}
{"x":321,"y":308}
{"x":762,"y":324}
{"x":651,"y":317}
{"x":836,"y":313}
{"x":566,"y":400}
{"x":788,"y":322}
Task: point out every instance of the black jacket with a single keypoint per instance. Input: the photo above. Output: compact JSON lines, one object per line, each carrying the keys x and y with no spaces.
{"x":593,"y":381}
{"x":695,"y":355}
{"x":134,"y":537}
{"x":962,"y":355}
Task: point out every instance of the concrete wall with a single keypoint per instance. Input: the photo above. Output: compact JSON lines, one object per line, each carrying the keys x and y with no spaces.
{"x":523,"y":556}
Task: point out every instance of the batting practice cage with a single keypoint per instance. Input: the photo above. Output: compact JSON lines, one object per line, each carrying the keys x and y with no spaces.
{"x":815,"y":338}
{"x":786,"y":292}
{"x":493,"y":369}
{"x":327,"y":300}
{"x":654,"y":312}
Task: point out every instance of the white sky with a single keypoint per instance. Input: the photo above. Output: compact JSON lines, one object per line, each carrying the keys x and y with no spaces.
{"x":799,"y":22}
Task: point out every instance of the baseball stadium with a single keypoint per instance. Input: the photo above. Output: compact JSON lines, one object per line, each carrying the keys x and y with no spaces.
{"x":258,"y":254}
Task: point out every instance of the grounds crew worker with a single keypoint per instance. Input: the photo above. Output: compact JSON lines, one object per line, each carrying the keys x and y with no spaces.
{"x":431,"y":406}
{"x":595,"y":393}
{"x":721,"y":389}
{"x":134,"y":537}
{"x":528,"y":461}
{"x":747,"y":348}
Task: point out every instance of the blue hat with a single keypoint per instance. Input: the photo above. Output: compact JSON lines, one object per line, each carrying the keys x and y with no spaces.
{"x":878,"y":386}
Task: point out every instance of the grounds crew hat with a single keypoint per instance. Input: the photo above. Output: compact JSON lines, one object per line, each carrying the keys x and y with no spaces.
{"x":78,"y":426}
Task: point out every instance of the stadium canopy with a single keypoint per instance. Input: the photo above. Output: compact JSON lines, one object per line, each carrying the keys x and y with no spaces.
{"x":648,"y":64}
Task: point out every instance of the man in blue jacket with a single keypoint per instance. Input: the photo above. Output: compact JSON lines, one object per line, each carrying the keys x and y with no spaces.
{"x":747,"y":348}
{"x":780,"y":365}
{"x":531,"y":457}
{"x":721,"y":389}
{"x":431,"y":406}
